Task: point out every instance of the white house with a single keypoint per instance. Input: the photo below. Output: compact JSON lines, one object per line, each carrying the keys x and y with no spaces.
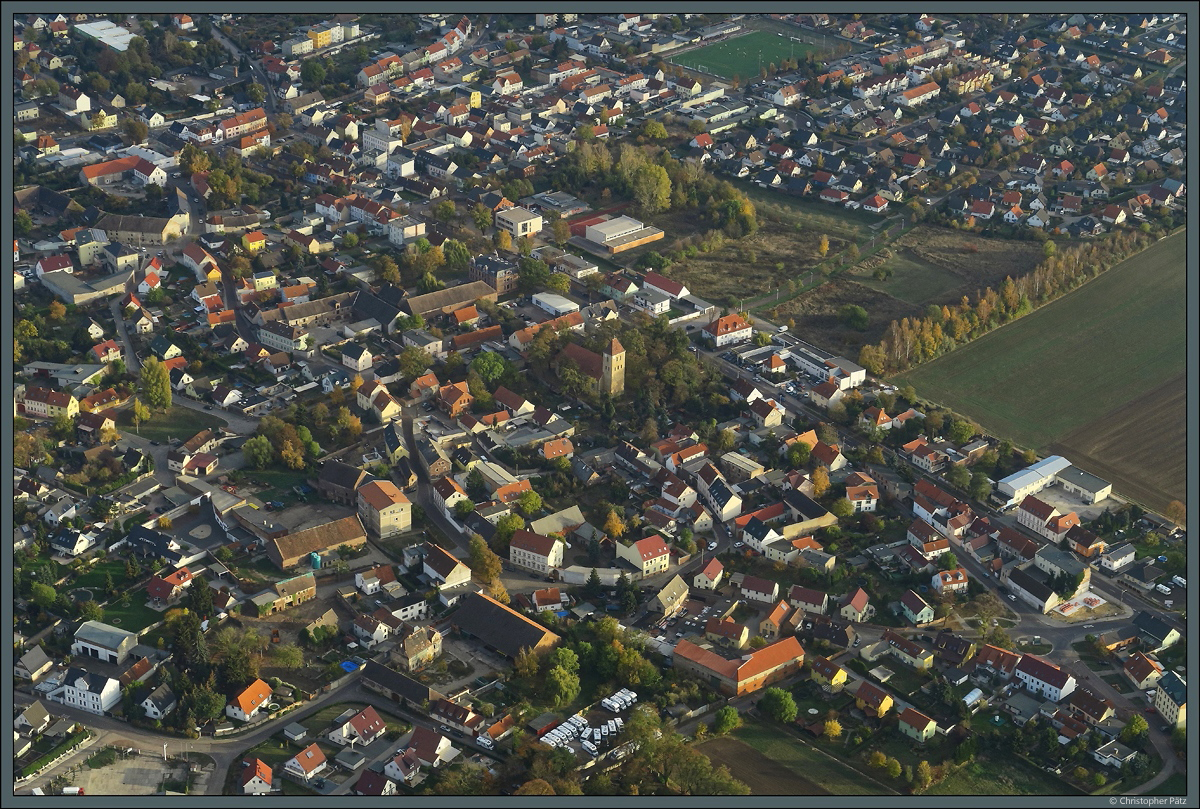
{"x":1044,"y":678}
{"x":362,"y":728}
{"x":535,"y":552}
{"x":649,"y":555}
{"x":709,"y":576}
{"x":159,"y":702}
{"x":356,"y":357}
{"x":307,"y":764}
{"x":950,"y":581}
{"x":249,"y":701}
{"x":89,"y":692}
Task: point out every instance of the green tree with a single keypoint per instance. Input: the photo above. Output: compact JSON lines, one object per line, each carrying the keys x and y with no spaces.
{"x":312,"y":73}
{"x":43,"y":595}
{"x":651,"y":188}
{"x":1135,"y":729}
{"x":413,"y":362}
{"x":854,"y":316}
{"x":924,"y":776}
{"x":529,"y":502}
{"x":961,"y":431}
{"x":258,"y":451}
{"x":654,"y":130}
{"x":156,"y":384}
{"x":490,"y":367}
{"x":481,"y":216}
{"x":778,"y":704}
{"x":506,"y":526}
{"x":287,"y":655}
{"x":136,"y":129}
{"x":725,"y":720}
{"x":842,"y":508}
{"x":22,"y":224}
{"x":893,"y":768}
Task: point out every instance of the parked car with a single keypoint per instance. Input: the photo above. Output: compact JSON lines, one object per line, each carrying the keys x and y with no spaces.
{"x":712,"y":546}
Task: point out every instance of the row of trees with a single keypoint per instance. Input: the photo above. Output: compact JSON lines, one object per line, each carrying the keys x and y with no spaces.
{"x":911,"y":341}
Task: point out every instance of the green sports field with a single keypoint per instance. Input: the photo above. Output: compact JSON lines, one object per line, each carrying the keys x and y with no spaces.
{"x":1065,"y":376}
{"x":743,"y":56}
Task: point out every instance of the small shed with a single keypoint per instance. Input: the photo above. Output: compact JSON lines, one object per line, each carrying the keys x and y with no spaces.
{"x":295,"y":732}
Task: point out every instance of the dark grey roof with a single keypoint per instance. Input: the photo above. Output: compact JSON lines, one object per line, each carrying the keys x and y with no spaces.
{"x":807,"y":507}
{"x":1029,"y":584}
{"x":500,"y":628}
{"x":392,"y":680}
{"x":1147,"y":623}
{"x":340,"y":474}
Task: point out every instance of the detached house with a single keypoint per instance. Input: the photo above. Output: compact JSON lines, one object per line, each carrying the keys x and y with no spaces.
{"x":648,"y":556}
{"x":249,"y":702}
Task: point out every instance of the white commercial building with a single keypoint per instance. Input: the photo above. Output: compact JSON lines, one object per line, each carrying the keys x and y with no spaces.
{"x":556,"y":305}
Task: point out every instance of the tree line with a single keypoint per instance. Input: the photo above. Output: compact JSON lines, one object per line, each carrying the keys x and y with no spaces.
{"x":911,"y":341}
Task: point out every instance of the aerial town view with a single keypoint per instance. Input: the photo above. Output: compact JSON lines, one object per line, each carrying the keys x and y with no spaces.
{"x":600,"y":404}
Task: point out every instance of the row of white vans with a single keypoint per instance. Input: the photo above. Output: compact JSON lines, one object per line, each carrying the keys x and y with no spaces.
{"x":620,"y":700}
{"x":591,"y":739}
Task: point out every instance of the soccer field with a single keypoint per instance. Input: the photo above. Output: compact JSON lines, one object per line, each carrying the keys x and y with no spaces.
{"x":743,"y":56}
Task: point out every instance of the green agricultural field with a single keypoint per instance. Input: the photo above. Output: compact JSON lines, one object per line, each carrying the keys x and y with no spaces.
{"x":1055,"y":373}
{"x":744,"y":56}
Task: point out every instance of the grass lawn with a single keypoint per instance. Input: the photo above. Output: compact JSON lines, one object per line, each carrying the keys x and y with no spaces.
{"x":292,"y":788}
{"x":273,"y":751}
{"x":905,"y":750}
{"x":838,"y":777}
{"x":836,"y":222}
{"x":281,"y":483}
{"x":1176,"y":784}
{"x":912,"y":279}
{"x":1118,"y":682}
{"x":134,"y":618}
{"x":1117,"y":336}
{"x":743,"y":56}
{"x":1009,"y":776}
{"x":94,"y":578}
{"x":176,"y":422}
{"x":904,"y":681}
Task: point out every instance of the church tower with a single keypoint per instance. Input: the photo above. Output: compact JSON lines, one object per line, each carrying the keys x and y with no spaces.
{"x":612,"y":372}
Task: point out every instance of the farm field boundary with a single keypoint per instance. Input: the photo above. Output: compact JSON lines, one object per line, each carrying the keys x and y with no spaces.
{"x":1045,"y":379}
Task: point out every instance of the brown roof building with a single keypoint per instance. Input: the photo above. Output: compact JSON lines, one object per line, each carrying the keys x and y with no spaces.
{"x":289,"y":551}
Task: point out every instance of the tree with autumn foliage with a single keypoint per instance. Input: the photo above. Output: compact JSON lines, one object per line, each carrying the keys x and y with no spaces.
{"x":820,"y":481}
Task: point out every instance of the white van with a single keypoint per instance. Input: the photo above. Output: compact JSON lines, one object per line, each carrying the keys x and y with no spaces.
{"x":1162,"y":588}
{"x":1179,"y":581}
{"x":589,"y":748}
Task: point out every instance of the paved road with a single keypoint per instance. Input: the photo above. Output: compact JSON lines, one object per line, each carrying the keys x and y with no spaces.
{"x":132,"y":363}
{"x":223,"y":750}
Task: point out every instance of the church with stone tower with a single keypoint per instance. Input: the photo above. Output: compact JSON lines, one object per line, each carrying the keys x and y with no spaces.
{"x":605,"y":373}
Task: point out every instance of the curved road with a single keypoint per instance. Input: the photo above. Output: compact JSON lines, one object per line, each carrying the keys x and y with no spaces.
{"x":223,"y":751}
